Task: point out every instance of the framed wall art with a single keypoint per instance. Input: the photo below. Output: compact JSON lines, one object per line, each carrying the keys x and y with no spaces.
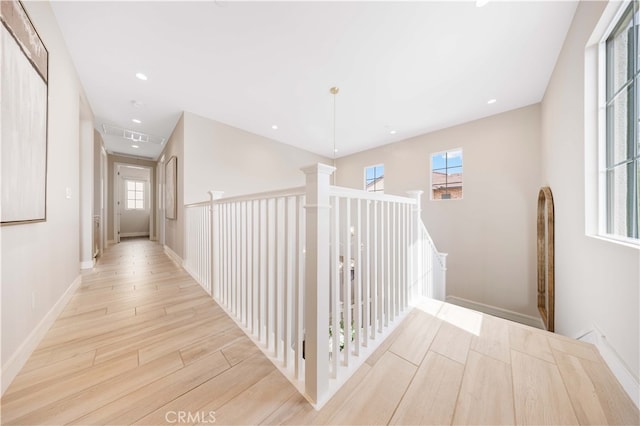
{"x":171,"y":182}
{"x":24,"y":64}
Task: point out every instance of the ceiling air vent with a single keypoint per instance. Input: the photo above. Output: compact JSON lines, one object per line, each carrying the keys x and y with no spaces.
{"x":131,"y":135}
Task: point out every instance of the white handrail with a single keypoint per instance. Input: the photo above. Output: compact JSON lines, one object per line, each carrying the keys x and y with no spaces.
{"x":366,"y":195}
{"x":288,"y":192}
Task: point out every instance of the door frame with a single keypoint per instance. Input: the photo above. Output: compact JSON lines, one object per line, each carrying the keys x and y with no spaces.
{"x":104,"y":200}
{"x":117,"y":185}
{"x":161,"y":200}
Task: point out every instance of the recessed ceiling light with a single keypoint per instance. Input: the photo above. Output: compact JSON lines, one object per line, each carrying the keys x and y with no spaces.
{"x":135,"y":120}
{"x":274,"y":127}
{"x":480,"y":3}
{"x":141,"y":76}
{"x":491,"y":101}
{"x":135,"y":146}
{"x":393,"y":132}
{"x":335,"y":150}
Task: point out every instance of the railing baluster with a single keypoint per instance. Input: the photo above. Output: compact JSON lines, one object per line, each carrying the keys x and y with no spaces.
{"x":277,"y":288}
{"x":366,"y":269}
{"x":269,"y":271}
{"x":357,"y":323}
{"x":287,"y":285}
{"x":261,"y":265}
{"x":387,"y":265}
{"x":335,"y":286}
{"x":346,"y":281}
{"x":299,"y":288}
{"x":375,"y":267}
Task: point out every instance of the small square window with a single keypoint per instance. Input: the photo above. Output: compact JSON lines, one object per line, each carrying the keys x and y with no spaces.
{"x":374,"y":178}
{"x":446,"y":175}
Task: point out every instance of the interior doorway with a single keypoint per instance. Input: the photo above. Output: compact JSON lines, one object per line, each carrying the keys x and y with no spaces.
{"x":133,"y":201}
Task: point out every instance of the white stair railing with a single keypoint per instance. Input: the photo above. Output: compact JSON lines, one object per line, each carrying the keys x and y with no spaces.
{"x":317,"y":276}
{"x":260,"y":258}
{"x":198,"y":243}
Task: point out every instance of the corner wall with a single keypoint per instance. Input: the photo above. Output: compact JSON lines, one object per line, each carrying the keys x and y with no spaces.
{"x":224,"y":158}
{"x":31,"y":297}
{"x":490,"y":235}
{"x":597,"y":282}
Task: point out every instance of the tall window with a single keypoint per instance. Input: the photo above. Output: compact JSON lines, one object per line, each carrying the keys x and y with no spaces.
{"x":446,"y":175}
{"x":622,"y":162}
{"x":374,"y":178}
{"x":135,"y":195}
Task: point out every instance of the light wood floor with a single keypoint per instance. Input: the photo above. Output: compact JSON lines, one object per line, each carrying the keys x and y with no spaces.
{"x":140,"y":342}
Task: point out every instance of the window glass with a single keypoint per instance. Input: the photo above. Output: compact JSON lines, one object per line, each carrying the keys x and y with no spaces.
{"x":374,"y":178}
{"x":622,"y":162}
{"x":446,"y":175}
{"x":135,"y":195}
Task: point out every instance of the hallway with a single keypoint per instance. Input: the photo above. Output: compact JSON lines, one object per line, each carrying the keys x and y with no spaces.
{"x":141,"y":342}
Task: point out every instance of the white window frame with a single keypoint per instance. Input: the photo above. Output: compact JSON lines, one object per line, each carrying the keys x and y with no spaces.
{"x":431,"y":174}
{"x":144,"y":194}
{"x":603,"y":195}
{"x":365,"y":177}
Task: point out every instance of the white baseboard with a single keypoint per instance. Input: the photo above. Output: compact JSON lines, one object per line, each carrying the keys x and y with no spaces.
{"x":12,"y":367}
{"x":134,"y":234}
{"x":627,"y":379}
{"x":172,"y":254}
{"x":497,"y":312}
{"x":87,"y":264}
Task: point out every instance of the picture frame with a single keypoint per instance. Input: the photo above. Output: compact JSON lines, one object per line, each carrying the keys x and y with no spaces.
{"x":171,"y":183}
{"x":23,"y":117}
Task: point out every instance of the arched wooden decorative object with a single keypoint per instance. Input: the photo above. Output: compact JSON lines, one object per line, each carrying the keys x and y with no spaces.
{"x":546,"y":276}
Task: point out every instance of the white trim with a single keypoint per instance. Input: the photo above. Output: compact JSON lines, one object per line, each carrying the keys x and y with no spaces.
{"x":134,"y":234}
{"x":117,"y":196}
{"x":173,"y":255}
{"x":497,"y":312}
{"x":627,"y":379}
{"x":625,"y":242}
{"x":598,"y":226}
{"x":89,"y":264}
{"x":12,"y":367}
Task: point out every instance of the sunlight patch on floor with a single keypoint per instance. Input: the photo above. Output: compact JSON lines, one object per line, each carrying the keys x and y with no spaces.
{"x":463,"y":318}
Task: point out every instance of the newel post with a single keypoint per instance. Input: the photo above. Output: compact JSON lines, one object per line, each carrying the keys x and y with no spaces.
{"x":416,"y":195}
{"x":215,"y":243}
{"x":416,"y":261}
{"x":316,"y":303}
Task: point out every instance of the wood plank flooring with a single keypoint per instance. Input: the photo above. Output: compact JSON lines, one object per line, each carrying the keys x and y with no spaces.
{"x":141,"y":343}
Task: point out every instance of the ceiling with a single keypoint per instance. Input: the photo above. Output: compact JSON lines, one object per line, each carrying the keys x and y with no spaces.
{"x":403,"y":68}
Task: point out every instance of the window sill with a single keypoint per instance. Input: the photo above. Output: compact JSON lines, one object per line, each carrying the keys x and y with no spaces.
{"x":626,"y":242}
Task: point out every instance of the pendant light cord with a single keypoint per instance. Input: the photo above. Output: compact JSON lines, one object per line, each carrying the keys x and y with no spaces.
{"x":334,"y":91}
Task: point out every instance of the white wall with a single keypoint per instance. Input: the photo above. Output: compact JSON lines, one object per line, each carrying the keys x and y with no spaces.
{"x":490,"y":234}
{"x":28,"y":294}
{"x":597,"y":282}
{"x":224,"y":158}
